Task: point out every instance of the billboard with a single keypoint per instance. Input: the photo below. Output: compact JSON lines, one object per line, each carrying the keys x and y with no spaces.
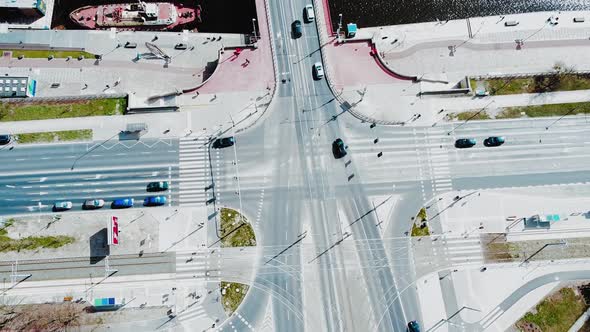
{"x":31,"y":87}
{"x":113,"y":230}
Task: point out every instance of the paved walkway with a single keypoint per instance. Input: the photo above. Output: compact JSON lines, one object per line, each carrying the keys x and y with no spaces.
{"x":447,"y":52}
{"x":240,"y":90}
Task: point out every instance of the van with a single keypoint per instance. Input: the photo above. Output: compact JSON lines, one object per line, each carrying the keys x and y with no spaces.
{"x":309,"y":14}
{"x":130,"y":45}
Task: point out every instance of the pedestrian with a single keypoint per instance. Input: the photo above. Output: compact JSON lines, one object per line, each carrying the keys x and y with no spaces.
{"x":247,"y":61}
{"x":108,"y":86}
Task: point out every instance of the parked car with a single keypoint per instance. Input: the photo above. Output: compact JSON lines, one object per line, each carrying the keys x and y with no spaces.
{"x":338,"y":148}
{"x":157,"y":186}
{"x":463,"y":143}
{"x":318,"y":70}
{"x":154,"y":201}
{"x":130,"y":45}
{"x":297,"y":29}
{"x":93,"y":204}
{"x":5,"y":139}
{"x":413,"y":326}
{"x":62,"y":206}
{"x":224,"y":142}
{"x":494,"y":141}
{"x":180,"y":46}
{"x":309,"y":14}
{"x":122,"y":203}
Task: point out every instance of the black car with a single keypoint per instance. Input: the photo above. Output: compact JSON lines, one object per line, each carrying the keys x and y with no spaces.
{"x":413,"y":326}
{"x":180,"y":46}
{"x":494,"y":141}
{"x":297,"y":29}
{"x":338,"y":148}
{"x":223,"y":142}
{"x":5,"y":139}
{"x":463,"y":143}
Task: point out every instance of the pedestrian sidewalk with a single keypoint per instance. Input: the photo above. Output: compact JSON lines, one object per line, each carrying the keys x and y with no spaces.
{"x":475,"y":299}
{"x":499,"y":211}
{"x":439,"y":55}
{"x":105,"y":127}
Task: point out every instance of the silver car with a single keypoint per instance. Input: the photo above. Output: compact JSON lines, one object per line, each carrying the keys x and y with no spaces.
{"x":93,"y":204}
{"x":318,"y":70}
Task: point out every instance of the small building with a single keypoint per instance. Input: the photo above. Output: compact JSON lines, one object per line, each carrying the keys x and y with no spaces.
{"x":351,"y":30}
{"x":17,"y":87}
{"x":28,"y":8}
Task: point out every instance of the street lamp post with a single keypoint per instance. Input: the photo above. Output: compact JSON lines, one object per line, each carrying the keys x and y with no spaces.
{"x":563,"y":116}
{"x":560,"y":243}
{"x":473,"y":116}
{"x":233,"y":125}
{"x":254,"y":29}
{"x":339,"y":27}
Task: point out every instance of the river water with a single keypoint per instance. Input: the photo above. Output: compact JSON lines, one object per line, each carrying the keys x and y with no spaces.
{"x":370,"y":13}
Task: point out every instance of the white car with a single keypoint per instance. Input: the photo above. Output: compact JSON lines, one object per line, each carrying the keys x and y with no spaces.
{"x":318,"y":70}
{"x":309,"y":14}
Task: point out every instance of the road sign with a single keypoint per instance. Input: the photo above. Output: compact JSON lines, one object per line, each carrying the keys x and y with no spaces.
{"x":113,"y":231}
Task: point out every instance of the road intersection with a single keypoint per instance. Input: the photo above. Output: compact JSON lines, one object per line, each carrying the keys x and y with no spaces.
{"x":325,"y":258}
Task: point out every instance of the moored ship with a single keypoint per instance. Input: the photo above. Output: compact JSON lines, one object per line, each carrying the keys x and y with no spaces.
{"x":136,"y":16}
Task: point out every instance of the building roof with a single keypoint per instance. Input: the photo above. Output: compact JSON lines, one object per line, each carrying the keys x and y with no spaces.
{"x":18,"y":3}
{"x":13,"y":86}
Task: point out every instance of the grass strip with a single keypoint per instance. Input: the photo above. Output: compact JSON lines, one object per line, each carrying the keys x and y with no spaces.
{"x":46,"y":53}
{"x":55,"y":136}
{"x":470,"y":115}
{"x":31,"y":242}
{"x":550,"y":109}
{"x":556,"y":313}
{"x":56,"y":110}
{"x":559,"y":80}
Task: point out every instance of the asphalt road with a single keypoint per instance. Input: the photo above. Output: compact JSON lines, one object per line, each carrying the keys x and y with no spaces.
{"x":33,"y":177}
{"x":290,"y":155}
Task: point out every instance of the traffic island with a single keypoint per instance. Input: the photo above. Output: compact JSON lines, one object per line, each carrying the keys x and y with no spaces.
{"x":235,"y":230}
{"x":232,"y":294}
{"x":420,"y":225}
